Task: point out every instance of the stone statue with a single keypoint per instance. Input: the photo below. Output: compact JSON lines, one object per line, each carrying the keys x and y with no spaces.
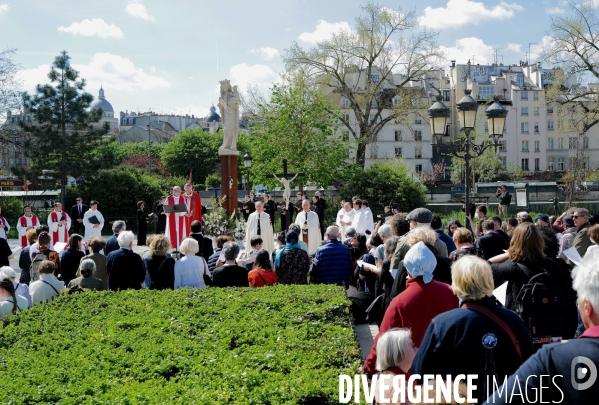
{"x":287,"y":191}
{"x":228,"y":104}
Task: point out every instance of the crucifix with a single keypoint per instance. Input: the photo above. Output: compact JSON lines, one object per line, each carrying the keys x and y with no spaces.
{"x":283,"y":178}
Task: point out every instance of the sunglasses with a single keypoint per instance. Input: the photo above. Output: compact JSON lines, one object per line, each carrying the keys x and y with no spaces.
{"x":578,"y":216}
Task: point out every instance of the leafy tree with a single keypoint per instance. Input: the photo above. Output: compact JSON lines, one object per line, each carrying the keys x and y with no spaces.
{"x":62,"y":138}
{"x":10,"y":97}
{"x":360,"y":65}
{"x":127,"y":186}
{"x":196,"y":150}
{"x":143,"y":162}
{"x":385,"y":182}
{"x":297,"y":125}
{"x":213,"y":181}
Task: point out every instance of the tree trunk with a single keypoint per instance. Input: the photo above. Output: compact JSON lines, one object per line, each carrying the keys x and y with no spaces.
{"x":361,"y":155}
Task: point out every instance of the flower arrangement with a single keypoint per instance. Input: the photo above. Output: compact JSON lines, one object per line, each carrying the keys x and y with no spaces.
{"x":217,"y":222}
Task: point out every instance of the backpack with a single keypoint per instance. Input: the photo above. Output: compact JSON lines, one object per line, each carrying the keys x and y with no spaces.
{"x":541,"y":305}
{"x":35,"y":264}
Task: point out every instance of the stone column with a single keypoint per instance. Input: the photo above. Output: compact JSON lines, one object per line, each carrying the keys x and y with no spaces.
{"x":229,"y":180}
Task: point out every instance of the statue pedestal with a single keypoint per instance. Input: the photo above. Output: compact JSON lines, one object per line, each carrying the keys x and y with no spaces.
{"x":228,"y":174}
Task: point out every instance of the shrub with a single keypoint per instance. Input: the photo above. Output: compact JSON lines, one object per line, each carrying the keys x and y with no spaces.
{"x":279,"y":345}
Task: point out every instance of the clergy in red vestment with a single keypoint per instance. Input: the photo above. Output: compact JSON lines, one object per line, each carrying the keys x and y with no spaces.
{"x":59,"y":223}
{"x":176,"y":230}
{"x":193,"y":201}
{"x":26,"y":222}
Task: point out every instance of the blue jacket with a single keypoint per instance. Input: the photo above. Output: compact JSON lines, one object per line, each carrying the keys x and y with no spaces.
{"x":445,"y":238}
{"x":112,"y":244}
{"x":332,"y":264}
{"x":125,"y":270}
{"x":554,"y":360}
{"x":453,"y":344}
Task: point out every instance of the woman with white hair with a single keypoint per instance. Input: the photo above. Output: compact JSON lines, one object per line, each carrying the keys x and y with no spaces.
{"x":423,"y":299}
{"x":396,"y":352}
{"x":190,"y":270}
{"x":20,"y":289}
{"x":85,"y":277}
{"x":480,"y":338}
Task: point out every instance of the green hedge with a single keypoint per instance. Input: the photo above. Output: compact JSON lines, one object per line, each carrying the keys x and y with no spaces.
{"x":279,"y":345}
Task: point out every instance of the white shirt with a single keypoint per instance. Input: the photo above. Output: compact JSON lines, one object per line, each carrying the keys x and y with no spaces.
{"x":23,"y":290}
{"x":42,"y":292}
{"x":189,"y":272}
{"x":6,"y":306}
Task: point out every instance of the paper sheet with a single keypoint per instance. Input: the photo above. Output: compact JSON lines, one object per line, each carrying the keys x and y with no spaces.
{"x":573,"y":255}
{"x":59,"y":247}
{"x":500,"y":292}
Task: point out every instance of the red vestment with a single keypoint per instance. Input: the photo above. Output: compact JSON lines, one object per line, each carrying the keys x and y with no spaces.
{"x":176,"y":230}
{"x":194,"y":207}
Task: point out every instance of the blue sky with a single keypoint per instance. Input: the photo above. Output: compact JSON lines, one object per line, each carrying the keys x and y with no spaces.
{"x":170,"y":55}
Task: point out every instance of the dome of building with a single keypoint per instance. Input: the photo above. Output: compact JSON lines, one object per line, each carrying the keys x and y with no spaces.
{"x":101,"y":102}
{"x":213,"y":116}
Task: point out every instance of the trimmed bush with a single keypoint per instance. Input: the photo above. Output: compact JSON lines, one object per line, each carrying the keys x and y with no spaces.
{"x":279,"y":345}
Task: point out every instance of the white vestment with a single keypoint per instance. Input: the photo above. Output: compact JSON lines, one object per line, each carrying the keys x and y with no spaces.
{"x":314,"y":237}
{"x":59,"y":233}
{"x":359,"y":222}
{"x":89,"y":227}
{"x":251,"y":231}
{"x":347,"y":217}
{"x":367,"y":221}
{"x":22,"y":228}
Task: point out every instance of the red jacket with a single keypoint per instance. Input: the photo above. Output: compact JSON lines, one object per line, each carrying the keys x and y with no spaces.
{"x":414,"y":309}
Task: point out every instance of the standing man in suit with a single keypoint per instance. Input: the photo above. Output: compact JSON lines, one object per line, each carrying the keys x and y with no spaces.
{"x":204,"y":243}
{"x":125,"y":267}
{"x":491,"y":243}
{"x":77,"y":212}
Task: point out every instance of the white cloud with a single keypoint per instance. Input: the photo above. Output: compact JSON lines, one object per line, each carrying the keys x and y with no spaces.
{"x":466,"y":48}
{"x":517,"y":48}
{"x":97,"y":26}
{"x":138,"y":10}
{"x":266,"y":53}
{"x":113,"y":71}
{"x":153,"y":69}
{"x":324,"y":30}
{"x":461,"y":12}
{"x":4,"y":7}
{"x":555,"y":10}
{"x":244,"y":74}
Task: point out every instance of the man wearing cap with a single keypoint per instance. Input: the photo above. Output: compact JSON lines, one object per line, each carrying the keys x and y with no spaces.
{"x":258,"y":226}
{"x":193,"y":201}
{"x":420,"y":217}
{"x":542,"y":220}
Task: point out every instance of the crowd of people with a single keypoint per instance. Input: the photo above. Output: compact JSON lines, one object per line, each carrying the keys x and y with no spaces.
{"x":431,"y":287}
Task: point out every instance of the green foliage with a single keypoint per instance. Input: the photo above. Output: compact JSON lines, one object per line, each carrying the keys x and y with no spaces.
{"x":274,"y":345}
{"x":126,"y":187}
{"x":297,"y":125}
{"x":385,"y":182}
{"x":114,"y":153}
{"x":12,"y":208}
{"x":62,"y":137}
{"x":213,"y":181}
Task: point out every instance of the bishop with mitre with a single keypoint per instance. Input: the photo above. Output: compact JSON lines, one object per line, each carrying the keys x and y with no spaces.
{"x":258,"y":225}
{"x":308,"y":221}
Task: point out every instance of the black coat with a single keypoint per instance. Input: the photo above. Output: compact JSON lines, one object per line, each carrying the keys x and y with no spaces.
{"x":112,"y":244}
{"x":453,"y":344}
{"x":270,"y":208}
{"x":125,"y":270}
{"x":162,"y":272}
{"x":492,"y":244}
{"x":69,"y":263}
{"x":75,"y":212}
{"x":205,"y":244}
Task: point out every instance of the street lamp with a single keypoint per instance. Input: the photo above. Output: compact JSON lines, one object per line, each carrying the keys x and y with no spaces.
{"x":247,"y":162}
{"x":466,"y":147}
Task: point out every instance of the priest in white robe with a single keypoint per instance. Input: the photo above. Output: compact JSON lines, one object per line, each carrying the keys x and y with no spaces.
{"x":367,"y":219}
{"x":308,"y":221}
{"x":359,"y":222}
{"x":26,"y":222}
{"x":59,"y":223}
{"x":345,"y":218}
{"x":92,"y":228}
{"x":258,"y":225}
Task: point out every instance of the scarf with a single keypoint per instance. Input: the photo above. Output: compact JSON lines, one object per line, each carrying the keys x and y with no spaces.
{"x":287,"y":246}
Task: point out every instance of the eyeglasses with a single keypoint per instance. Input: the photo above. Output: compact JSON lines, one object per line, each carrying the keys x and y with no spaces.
{"x":578,"y":216}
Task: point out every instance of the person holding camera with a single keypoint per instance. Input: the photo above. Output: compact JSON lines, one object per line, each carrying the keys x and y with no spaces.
{"x":505,"y":199}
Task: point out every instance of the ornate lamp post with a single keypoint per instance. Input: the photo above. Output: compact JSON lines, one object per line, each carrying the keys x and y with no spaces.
{"x":247,"y":162}
{"x":466,"y":147}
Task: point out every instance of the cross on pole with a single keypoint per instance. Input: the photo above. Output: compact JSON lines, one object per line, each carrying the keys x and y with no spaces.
{"x":284,"y":178}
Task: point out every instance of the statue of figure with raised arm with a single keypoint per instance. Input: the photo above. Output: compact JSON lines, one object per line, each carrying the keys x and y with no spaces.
{"x":287,"y":191}
{"x":228,"y":104}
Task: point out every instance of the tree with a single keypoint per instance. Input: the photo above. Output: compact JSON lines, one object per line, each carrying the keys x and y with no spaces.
{"x":196,"y":150}
{"x":63,"y":134}
{"x":10,"y":98}
{"x":297,"y":125}
{"x":385,"y":182}
{"x":369,"y":67}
